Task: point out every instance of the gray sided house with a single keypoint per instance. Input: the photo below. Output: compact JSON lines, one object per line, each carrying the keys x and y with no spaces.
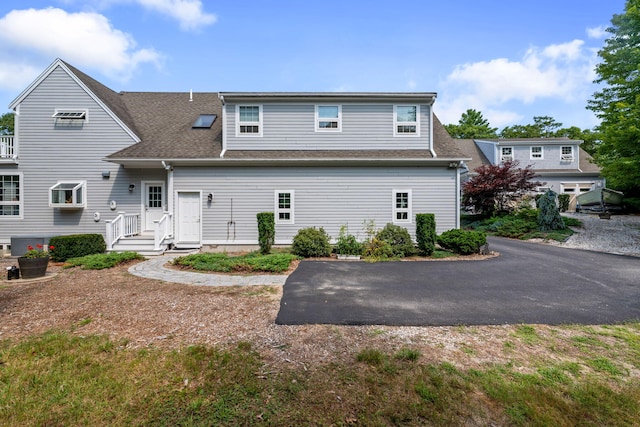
{"x":559,"y":163}
{"x":153,"y":170}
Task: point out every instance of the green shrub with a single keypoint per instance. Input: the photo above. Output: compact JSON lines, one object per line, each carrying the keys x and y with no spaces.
{"x":462,"y":242}
{"x":102,"y":261}
{"x":398,"y":238}
{"x":311,"y":242}
{"x":266,"y":231}
{"x":223,"y":263}
{"x":347,"y":244}
{"x":76,"y":245}
{"x":514,"y":228}
{"x":548,"y":215}
{"x":426,"y":233}
{"x":563,"y":202}
{"x":378,"y":249}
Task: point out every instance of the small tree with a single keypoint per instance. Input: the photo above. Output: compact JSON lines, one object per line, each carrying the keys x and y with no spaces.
{"x":548,"y":215}
{"x":7,"y":124}
{"x":266,"y":231}
{"x":496,"y":188}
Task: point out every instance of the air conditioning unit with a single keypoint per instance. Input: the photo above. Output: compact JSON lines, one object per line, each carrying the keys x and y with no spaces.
{"x":567,"y":157}
{"x":506,"y":158}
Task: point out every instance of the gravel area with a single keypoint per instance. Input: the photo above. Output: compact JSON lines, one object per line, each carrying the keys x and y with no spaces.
{"x":142,"y":312}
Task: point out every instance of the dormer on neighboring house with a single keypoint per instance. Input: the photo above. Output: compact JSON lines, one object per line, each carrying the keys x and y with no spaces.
{"x":559,"y":163}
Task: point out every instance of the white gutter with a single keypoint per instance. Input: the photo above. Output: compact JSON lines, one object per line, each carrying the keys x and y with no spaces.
{"x":433,"y":153}
{"x":224,"y":126}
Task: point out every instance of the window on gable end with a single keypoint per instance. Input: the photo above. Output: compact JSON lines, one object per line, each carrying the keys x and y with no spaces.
{"x":328,"y":118}
{"x":405,"y":120}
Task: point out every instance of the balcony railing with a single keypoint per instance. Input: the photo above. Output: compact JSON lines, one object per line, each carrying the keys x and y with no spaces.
{"x":7,"y":149}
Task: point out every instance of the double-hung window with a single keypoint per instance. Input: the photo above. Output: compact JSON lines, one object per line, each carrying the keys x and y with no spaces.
{"x":328,"y":118}
{"x":284,"y":207}
{"x":536,"y":152}
{"x":68,"y":194}
{"x":405,"y":120}
{"x":566,"y":153}
{"x":506,"y":154}
{"x":401,"y":206}
{"x":10,"y":197}
{"x":249,"y":120}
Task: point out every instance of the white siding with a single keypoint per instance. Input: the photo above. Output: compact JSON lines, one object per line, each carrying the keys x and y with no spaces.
{"x":49,"y":153}
{"x":324,"y":197}
{"x":292,"y":127}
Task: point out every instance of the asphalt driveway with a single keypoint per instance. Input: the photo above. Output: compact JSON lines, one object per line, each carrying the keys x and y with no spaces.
{"x":527,"y":283}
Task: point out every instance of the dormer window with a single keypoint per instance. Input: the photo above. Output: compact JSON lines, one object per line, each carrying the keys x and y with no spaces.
{"x":537,"y":152}
{"x":405,"y":120}
{"x":566,"y":154}
{"x":249,"y":120}
{"x":328,"y":118}
{"x":204,"y":121}
{"x":506,"y":154}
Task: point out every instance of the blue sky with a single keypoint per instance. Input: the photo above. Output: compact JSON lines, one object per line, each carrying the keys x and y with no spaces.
{"x":511,"y":60}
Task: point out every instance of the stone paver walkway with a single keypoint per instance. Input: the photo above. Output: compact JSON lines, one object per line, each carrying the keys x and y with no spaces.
{"x":154,"y":268}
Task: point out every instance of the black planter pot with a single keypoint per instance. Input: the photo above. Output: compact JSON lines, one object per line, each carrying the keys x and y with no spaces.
{"x":33,"y":267}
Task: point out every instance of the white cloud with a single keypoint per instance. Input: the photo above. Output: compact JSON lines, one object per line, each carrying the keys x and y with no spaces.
{"x":84,"y":39}
{"x":189,"y":13}
{"x":597,"y":32}
{"x":561,"y":72}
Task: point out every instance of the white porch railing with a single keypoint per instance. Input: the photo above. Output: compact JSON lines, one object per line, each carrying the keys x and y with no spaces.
{"x":162,"y":230}
{"x":124,"y":225}
{"x":7,"y":149}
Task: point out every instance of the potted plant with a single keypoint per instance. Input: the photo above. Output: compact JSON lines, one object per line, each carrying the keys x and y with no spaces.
{"x":347,"y":245}
{"x":34,"y":262}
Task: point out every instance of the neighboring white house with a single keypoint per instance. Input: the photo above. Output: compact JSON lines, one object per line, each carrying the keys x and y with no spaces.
{"x":194,"y":169}
{"x":559,"y":163}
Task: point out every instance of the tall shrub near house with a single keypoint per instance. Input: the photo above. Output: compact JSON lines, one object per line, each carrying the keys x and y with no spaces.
{"x":426,"y":233}
{"x":266,"y":231}
{"x":548,"y":215}
{"x":398,"y":238}
{"x":76,"y":245}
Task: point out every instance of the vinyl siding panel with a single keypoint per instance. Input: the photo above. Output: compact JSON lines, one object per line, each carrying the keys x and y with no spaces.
{"x":324,"y":197}
{"x":551,"y":157}
{"x":292,"y":127}
{"x":50,"y":153}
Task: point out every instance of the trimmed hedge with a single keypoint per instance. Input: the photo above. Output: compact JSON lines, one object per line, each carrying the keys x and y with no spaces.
{"x":426,"y":233}
{"x":311,"y":242}
{"x":266,"y":231}
{"x":463,"y":242}
{"x":76,"y":245}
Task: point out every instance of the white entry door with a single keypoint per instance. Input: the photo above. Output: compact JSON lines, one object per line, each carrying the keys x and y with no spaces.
{"x":153,"y":199}
{"x":188,"y":218}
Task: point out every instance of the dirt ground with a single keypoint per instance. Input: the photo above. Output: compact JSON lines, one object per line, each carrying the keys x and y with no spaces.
{"x":138,"y":312}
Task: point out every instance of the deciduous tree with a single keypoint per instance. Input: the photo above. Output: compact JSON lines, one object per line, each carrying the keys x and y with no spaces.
{"x":6,"y":124}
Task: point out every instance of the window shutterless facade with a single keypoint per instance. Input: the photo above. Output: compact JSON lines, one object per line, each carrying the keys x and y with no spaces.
{"x":406,"y":120}
{"x":328,"y":118}
{"x":536,"y":152}
{"x":566,"y":153}
{"x":68,"y":194}
{"x":401,"y":206}
{"x":284,"y":202}
{"x":248,"y":120}
{"x":10,"y":196}
{"x":506,"y":154}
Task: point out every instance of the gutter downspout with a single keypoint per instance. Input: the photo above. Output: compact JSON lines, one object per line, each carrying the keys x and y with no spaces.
{"x":169,"y":170}
{"x":433,"y":153}
{"x":224,"y":126}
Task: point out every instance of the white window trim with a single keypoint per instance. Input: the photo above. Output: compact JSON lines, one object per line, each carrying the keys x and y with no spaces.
{"x":531,"y":153}
{"x":277,"y":210}
{"x":259,"y":123}
{"x":396,"y":123}
{"x":73,"y":205}
{"x":567,"y":157}
{"x":84,"y":111}
{"x":20,"y":202}
{"x":397,"y":210}
{"x":506,"y":157}
{"x":319,"y":119}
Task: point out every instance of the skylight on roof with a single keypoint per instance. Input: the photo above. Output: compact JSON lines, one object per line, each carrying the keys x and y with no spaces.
{"x":204,"y":121}
{"x":70,"y":115}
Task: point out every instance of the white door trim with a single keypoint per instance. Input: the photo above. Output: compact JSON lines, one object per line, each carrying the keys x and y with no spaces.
{"x":143,"y":201}
{"x":187,"y":244}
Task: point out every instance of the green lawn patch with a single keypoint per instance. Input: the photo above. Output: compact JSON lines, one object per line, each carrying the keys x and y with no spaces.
{"x":102,"y":261}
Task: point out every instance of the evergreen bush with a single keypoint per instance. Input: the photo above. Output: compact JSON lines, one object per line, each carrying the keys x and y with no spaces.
{"x":311,"y":242}
{"x":398,"y":238}
{"x":563,"y":202}
{"x":266,"y":231}
{"x":377,"y":249}
{"x":548,"y":215}
{"x":426,"y":233}
{"x":464,"y":242}
{"x":76,"y":245}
